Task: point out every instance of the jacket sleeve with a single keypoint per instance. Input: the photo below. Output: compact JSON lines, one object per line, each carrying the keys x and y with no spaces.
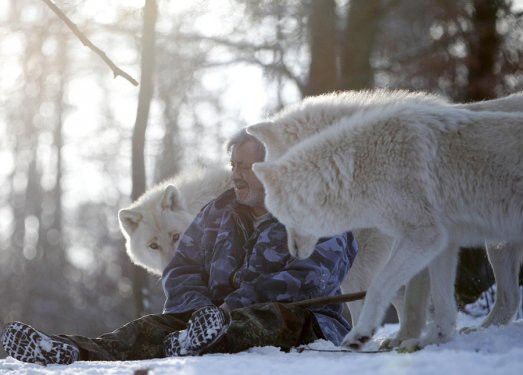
{"x":277,"y":277}
{"x":184,"y":279}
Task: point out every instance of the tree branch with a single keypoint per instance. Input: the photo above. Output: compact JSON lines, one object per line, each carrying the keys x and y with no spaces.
{"x":86,"y":42}
{"x":246,"y":48}
{"x":278,"y":68}
{"x":407,"y":57}
{"x":238,"y":45}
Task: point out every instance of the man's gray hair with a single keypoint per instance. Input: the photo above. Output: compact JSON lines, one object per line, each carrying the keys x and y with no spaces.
{"x":241,"y":137}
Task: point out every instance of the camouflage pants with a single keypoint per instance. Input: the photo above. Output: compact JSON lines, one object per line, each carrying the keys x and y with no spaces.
{"x":261,"y":325}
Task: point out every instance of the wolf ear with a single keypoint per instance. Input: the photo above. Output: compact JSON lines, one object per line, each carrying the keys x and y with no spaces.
{"x":266,"y":132}
{"x":129,"y":220}
{"x":262,"y":130}
{"x":266,"y":172}
{"x":170,"y":198}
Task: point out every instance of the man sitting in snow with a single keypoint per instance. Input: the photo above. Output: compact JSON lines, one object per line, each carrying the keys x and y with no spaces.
{"x":223,"y":287}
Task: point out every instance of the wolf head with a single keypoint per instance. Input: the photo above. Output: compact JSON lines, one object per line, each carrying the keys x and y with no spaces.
{"x":305,"y":183}
{"x":153,"y":227}
{"x":295,"y":199}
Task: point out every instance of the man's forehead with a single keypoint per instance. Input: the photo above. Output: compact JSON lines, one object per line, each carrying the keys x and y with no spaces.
{"x":247,"y":152}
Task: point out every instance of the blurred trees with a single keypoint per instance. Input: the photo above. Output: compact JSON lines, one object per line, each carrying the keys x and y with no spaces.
{"x":484,"y":45}
{"x":66,"y":126}
{"x":40,"y":283}
{"x":323,"y":46}
{"x":363,"y":19}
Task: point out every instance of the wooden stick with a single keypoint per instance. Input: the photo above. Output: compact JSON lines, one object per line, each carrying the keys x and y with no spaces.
{"x":328,"y":300}
{"x":86,"y":42}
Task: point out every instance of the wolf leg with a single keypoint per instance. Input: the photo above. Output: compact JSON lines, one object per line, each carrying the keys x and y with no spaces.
{"x":353,"y":284}
{"x":357,"y":280}
{"x":442,"y":276}
{"x":412,"y":310}
{"x":408,"y":257}
{"x":372,"y":254}
{"x":505,"y":259}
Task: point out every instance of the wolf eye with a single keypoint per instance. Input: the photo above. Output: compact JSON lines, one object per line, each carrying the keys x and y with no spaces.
{"x":175,"y":237}
{"x":154,"y":246}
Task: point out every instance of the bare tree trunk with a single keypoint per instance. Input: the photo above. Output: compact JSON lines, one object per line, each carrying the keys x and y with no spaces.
{"x":484,"y":47}
{"x":52,"y":230}
{"x":168,"y":161}
{"x":474,"y":272}
{"x":358,"y":43}
{"x":278,"y":56}
{"x":29,"y":196}
{"x":322,"y":41}
{"x":142,"y":116}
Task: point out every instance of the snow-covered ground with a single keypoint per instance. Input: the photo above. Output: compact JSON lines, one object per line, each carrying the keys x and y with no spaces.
{"x":497,"y":350}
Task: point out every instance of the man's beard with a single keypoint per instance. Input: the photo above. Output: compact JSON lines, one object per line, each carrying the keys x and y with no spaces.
{"x":253,"y":199}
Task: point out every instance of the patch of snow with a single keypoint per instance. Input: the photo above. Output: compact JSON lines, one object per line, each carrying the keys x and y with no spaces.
{"x":496,"y":350}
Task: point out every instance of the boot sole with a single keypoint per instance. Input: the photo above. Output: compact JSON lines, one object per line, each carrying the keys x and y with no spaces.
{"x":26,"y":344}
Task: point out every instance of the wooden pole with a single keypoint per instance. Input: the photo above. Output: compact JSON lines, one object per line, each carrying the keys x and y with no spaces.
{"x":328,"y":300}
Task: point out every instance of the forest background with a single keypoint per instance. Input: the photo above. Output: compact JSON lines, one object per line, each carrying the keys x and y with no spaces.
{"x":77,"y":144}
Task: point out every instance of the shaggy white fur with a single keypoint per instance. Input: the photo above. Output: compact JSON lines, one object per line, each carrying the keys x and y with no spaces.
{"x":317,"y":113}
{"x":425,"y":173}
{"x":153,"y":224}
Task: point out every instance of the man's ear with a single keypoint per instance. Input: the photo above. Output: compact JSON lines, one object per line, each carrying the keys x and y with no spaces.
{"x":170,"y":199}
{"x":266,"y":172}
{"x":129,"y":220}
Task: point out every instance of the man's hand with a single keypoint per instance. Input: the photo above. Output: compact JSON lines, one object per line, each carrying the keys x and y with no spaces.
{"x":224,"y":307}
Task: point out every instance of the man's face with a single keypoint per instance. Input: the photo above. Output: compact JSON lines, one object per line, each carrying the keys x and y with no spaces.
{"x":247,"y":187}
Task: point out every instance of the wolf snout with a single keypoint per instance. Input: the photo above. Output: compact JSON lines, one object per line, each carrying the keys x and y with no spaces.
{"x":293,"y":249}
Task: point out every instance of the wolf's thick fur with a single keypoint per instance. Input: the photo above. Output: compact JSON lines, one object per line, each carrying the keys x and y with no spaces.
{"x":164,"y":212}
{"x":317,"y":113}
{"x":313,"y":114}
{"x":430,"y":176}
{"x":510,"y":103}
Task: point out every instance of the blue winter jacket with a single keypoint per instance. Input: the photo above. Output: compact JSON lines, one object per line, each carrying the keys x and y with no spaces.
{"x":221,"y":258}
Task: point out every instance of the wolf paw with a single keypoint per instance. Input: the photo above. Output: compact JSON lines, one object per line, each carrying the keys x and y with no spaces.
{"x":355,"y":340}
{"x":390,"y":343}
{"x":431,"y":338}
{"x":411,"y":345}
{"x":468,"y":330}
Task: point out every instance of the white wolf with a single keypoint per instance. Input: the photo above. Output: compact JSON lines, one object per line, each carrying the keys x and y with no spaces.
{"x":314,"y":114}
{"x":154,"y":223}
{"x":430,"y":176}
